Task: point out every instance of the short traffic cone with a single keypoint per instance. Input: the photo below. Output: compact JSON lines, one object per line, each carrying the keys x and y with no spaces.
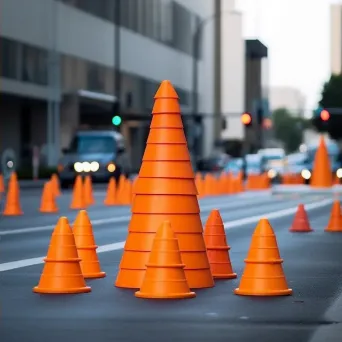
{"x":301,"y":222}
{"x":165,"y":276}
{"x":12,"y":205}
{"x":62,"y":270}
{"x":263,"y":274}
{"x":86,"y":246}
{"x":88,"y":191}
{"x":110,"y":198}
{"x":48,"y":202}
{"x":2,"y":184}
{"x":55,"y":185}
{"x":321,"y":171}
{"x":165,"y":191}
{"x":78,"y":200}
{"x":217,"y":247}
{"x":335,"y":221}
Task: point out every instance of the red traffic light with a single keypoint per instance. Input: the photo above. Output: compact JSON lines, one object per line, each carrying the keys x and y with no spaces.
{"x":246,"y":118}
{"x":325,"y":115}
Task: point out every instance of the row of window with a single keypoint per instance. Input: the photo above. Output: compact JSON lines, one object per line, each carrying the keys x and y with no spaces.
{"x":163,"y":20}
{"x":27,"y":63}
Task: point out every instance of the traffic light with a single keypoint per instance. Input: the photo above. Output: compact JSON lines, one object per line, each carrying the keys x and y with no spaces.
{"x":116,"y":120}
{"x":324,"y":115}
{"x":246,"y":119}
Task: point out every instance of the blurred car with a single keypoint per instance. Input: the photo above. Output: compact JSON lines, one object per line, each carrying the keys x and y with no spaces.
{"x":101,"y":154}
{"x":274,"y":160}
{"x":234,"y":166}
{"x":296,"y":163}
{"x":214,"y":163}
{"x":335,"y":158}
{"x":254,"y":164}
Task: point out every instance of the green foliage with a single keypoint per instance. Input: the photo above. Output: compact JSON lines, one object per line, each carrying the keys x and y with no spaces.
{"x":288,"y":129}
{"x":331,"y":96}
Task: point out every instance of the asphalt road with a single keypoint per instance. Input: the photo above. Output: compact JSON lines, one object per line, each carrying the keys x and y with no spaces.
{"x":312,"y":263}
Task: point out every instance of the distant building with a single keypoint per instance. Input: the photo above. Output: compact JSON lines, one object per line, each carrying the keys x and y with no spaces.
{"x":289,"y":98}
{"x":336,"y":38}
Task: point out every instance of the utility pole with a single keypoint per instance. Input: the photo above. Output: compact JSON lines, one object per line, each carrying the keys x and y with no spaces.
{"x":217,"y":72}
{"x":117,"y":54}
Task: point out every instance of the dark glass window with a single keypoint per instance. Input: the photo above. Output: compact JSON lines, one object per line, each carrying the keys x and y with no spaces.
{"x":9,"y":55}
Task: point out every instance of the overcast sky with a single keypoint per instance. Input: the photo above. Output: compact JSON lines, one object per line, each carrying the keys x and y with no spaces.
{"x":297,"y":35}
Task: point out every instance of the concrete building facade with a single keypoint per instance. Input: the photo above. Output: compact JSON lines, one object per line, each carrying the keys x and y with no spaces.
{"x":77,"y":40}
{"x":336,"y":38}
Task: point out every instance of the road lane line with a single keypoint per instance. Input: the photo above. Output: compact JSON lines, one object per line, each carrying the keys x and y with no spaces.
{"x":120,"y":245}
{"x":120,"y":219}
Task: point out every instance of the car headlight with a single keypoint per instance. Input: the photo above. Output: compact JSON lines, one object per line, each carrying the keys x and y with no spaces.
{"x":94,"y":166}
{"x":339,"y":173}
{"x":271,"y":173}
{"x":306,"y":174}
{"x":78,"y":167}
{"x":111,"y":167}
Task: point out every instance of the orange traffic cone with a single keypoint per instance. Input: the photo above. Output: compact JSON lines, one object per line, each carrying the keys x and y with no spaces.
{"x":86,"y":246}
{"x":111,"y":193}
{"x":301,"y":222}
{"x":321,"y":171}
{"x":62,"y":270}
{"x":217,"y":247}
{"x":88,"y":191}
{"x":165,"y":276}
{"x":48,"y":202}
{"x":12,"y":205}
{"x":2,"y":184}
{"x":263,"y":274}
{"x":335,"y":221}
{"x":55,"y":185}
{"x":165,"y":191}
{"x":78,"y":200}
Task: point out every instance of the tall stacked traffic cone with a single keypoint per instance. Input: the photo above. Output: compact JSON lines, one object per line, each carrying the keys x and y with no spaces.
{"x":12,"y":205}
{"x":48,"y":201}
{"x":301,"y":222}
{"x":165,"y":276}
{"x":217,"y":247}
{"x":263,"y":274}
{"x":2,"y":184}
{"x":62,"y":270}
{"x":321,"y":171}
{"x":78,"y":200}
{"x":55,"y":185}
{"x":88,"y":191}
{"x":86,"y":246}
{"x":165,"y":190}
{"x":111,"y":194}
{"x":335,"y":221}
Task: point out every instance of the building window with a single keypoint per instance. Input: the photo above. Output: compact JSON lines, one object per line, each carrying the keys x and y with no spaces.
{"x":34,"y":65}
{"x":95,"y":77}
{"x":166,"y":11}
{"x":9,"y":54}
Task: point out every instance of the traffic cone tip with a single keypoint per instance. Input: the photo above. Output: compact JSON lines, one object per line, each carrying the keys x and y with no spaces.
{"x":166,"y":90}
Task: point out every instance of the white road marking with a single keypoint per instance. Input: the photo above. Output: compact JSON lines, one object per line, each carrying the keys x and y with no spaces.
{"x":120,"y":219}
{"x":120,"y":245}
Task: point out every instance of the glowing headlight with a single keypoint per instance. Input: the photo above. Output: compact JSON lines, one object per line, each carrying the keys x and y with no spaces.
{"x":339,"y":173}
{"x":86,"y":167}
{"x":94,"y":166}
{"x":306,"y":174}
{"x":271,"y":173}
{"x":10,"y":164}
{"x":78,"y":167}
{"x":111,"y":167}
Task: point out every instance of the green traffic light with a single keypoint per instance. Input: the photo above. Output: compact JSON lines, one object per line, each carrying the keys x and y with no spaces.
{"x":116,"y":120}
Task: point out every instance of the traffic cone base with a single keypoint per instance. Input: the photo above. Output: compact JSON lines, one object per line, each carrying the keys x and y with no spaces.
{"x":220,"y":268}
{"x":165,"y":277}
{"x":263,"y":280}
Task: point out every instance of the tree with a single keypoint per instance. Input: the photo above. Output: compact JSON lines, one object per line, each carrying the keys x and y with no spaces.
{"x":288,"y":129}
{"x":331,"y":99}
